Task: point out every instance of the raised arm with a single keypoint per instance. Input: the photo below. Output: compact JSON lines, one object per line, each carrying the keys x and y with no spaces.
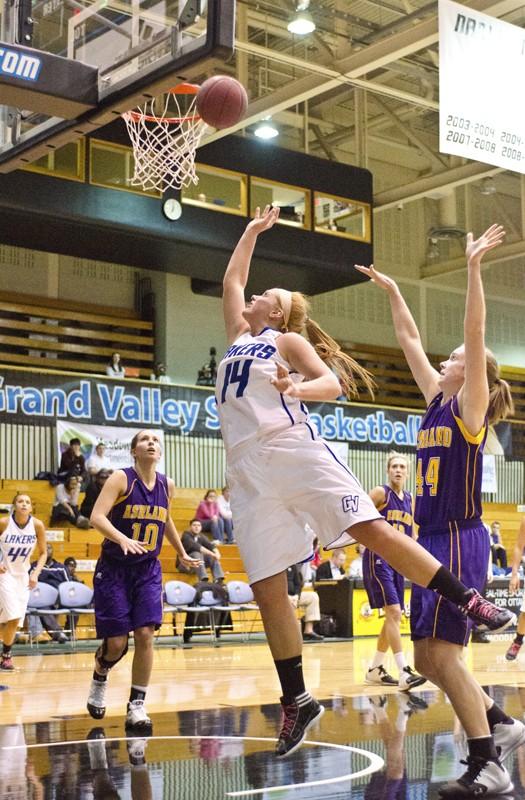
{"x":407,"y":334}
{"x":473,"y":397}
{"x":238,"y":269}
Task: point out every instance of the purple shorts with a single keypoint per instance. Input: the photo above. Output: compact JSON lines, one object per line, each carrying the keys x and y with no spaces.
{"x":384,"y":586}
{"x":465,"y":552}
{"x":127,"y":596}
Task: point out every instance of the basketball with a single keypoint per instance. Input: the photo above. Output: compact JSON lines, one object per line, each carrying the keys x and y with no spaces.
{"x":222,"y":101}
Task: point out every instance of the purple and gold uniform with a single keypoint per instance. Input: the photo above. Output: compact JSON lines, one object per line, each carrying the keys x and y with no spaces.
{"x":128,"y":588}
{"x":448,"y":512}
{"x":384,"y":586}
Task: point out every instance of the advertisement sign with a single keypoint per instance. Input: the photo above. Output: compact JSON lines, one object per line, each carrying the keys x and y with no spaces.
{"x":489,"y":481}
{"x":369,"y":621}
{"x":28,"y":398}
{"x":116,"y":441}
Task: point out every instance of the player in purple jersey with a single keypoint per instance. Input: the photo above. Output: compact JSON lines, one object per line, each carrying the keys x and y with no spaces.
{"x":281,"y":474}
{"x":464,"y":397}
{"x":132,"y":512}
{"x":384,"y":586}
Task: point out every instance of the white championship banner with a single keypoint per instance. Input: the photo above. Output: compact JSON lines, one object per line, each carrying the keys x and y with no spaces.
{"x":481,"y":95}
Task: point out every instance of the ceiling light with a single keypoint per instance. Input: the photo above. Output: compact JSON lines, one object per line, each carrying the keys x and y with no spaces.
{"x":302,"y":24}
{"x":266,"y":130}
{"x":488,"y":186}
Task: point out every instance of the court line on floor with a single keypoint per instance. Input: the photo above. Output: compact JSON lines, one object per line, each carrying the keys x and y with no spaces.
{"x":376,"y":762}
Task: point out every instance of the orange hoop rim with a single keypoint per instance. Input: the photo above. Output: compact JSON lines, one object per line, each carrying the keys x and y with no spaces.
{"x":180,"y":88}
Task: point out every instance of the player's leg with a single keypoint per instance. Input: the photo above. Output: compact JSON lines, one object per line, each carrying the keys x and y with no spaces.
{"x":282,"y":629}
{"x":418,"y":565}
{"x":145,"y":591}
{"x":142,"y":666}
{"x":112,"y":622}
{"x":485,"y":773}
{"x":110,"y":652}
{"x":9,"y":629}
{"x":515,"y":647}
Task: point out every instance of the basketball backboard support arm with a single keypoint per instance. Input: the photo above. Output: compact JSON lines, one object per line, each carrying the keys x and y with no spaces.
{"x":134,"y":55}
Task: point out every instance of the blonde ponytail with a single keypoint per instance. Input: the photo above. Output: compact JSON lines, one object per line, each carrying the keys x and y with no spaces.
{"x":501,"y":404}
{"x":345,"y":367}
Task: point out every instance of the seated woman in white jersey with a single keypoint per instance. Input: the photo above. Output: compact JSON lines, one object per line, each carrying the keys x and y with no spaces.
{"x":19,"y":533}
{"x":282,"y":475}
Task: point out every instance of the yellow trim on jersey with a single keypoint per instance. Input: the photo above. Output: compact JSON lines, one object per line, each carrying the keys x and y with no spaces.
{"x":124,"y":496}
{"x":469,"y":437}
{"x":467,"y":493}
{"x":474,"y":479}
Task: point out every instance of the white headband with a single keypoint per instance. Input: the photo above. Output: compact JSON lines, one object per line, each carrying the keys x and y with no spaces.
{"x":285,"y":301}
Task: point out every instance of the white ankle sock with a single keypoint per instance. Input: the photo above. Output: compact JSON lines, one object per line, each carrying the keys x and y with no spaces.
{"x":378,"y":659}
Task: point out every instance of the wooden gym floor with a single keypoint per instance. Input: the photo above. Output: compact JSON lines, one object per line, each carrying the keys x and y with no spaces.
{"x":215,"y":714}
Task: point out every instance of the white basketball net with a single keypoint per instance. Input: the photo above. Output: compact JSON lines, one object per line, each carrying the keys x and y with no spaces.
{"x":164,"y":141}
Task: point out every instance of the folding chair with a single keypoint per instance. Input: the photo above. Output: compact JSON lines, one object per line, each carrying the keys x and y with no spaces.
{"x":179,"y":596}
{"x":76,"y":598}
{"x":241,"y":600}
{"x":41,"y":602}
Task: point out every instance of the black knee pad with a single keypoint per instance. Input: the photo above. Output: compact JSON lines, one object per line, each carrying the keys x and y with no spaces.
{"x":100,"y":655}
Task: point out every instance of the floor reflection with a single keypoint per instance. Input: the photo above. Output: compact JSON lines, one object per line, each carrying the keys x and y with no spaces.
{"x":413,"y":743}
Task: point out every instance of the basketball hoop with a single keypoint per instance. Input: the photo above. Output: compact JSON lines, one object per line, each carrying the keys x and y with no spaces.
{"x":164,"y":141}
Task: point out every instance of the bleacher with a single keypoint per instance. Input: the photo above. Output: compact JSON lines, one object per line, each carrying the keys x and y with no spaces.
{"x":59,"y":335}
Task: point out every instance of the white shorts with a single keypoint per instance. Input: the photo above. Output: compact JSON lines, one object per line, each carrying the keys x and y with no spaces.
{"x":14,"y":596}
{"x":280,"y":484}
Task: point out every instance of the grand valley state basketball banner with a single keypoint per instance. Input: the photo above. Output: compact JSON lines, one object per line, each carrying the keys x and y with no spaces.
{"x":27,"y":397}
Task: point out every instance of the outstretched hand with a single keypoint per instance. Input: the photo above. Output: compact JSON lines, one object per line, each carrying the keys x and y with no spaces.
{"x":265,"y":221}
{"x":283,"y":383}
{"x":382,"y":280}
{"x":476,"y":249}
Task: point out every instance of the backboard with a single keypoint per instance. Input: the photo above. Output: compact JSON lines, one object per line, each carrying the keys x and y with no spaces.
{"x":70,"y":66}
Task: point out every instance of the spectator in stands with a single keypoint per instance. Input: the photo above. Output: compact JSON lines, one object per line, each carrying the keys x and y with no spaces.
{"x":115,"y":369}
{"x":71,"y":569}
{"x":54,"y":573}
{"x":334,"y":569}
{"x":159,"y":375}
{"x":309,"y":568}
{"x":307,"y":600}
{"x":208,"y":514}
{"x":223,"y":501}
{"x":207,"y":374}
{"x":356,"y":567}
{"x":208,"y":554}
{"x":98,"y":460}
{"x":65,"y":508}
{"x":72,"y":461}
{"x":499,"y":554}
{"x":92,"y":492}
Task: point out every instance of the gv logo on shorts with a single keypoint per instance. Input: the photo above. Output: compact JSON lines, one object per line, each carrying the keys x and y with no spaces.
{"x":351,"y":503}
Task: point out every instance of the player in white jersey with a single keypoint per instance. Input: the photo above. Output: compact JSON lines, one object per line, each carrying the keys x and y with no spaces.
{"x":19,"y":533}
{"x":282,"y":475}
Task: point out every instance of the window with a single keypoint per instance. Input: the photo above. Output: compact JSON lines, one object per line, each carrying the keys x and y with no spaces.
{"x":294,"y":201}
{"x":218,"y":190}
{"x":112,"y":165}
{"x":340,"y":216}
{"x":63,"y":162}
